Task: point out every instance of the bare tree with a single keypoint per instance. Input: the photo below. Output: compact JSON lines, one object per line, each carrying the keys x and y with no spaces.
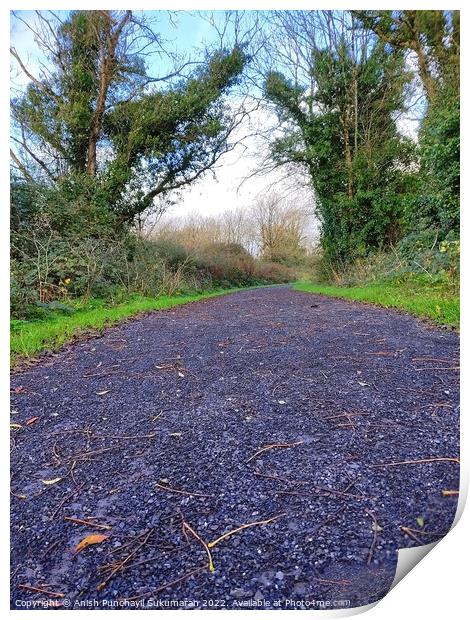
{"x":280,"y":228}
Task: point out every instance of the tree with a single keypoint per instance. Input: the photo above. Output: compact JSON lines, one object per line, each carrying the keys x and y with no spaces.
{"x":279,"y":228}
{"x":95,"y":124}
{"x":433,"y":36}
{"x":434,"y":39}
{"x":339,"y":123}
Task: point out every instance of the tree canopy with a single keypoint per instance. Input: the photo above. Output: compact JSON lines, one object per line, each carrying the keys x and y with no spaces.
{"x":98,"y":123}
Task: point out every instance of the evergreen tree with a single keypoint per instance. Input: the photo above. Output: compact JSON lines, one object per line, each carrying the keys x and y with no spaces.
{"x":104,"y":133}
{"x":345,"y":133}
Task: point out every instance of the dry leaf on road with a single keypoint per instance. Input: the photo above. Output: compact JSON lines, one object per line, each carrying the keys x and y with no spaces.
{"x":53,"y":481}
{"x":92,"y":539}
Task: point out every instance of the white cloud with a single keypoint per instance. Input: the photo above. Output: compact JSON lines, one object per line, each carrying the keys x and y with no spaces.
{"x":237,"y":181}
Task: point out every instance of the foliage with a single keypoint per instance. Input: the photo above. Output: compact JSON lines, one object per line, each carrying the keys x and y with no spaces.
{"x":99,"y":129}
{"x":434,"y":38}
{"x":346,"y":137}
{"x":49,"y":268}
{"x":353,"y":75}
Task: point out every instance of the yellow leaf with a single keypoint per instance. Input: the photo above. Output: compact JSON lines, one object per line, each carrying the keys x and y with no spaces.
{"x":92,"y":539}
{"x":15,"y":425}
{"x":53,"y":481}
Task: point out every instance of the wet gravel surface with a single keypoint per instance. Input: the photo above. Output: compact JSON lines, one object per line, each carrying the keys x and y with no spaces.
{"x":153,"y":431}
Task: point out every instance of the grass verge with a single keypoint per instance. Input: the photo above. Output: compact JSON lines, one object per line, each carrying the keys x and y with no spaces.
{"x":27,"y":338}
{"x":421,"y":298}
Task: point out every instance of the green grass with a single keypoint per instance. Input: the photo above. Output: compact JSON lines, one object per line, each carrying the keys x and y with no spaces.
{"x":27,"y":338}
{"x":420,"y":297}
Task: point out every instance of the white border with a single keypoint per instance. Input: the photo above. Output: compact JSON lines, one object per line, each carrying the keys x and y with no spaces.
{"x":435,"y":589}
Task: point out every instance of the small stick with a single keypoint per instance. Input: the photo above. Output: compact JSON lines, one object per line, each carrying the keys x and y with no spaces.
{"x":41,"y":590}
{"x":339,"y":582}
{"x":121,"y":564}
{"x":374,"y":539}
{"x":61,"y":505}
{"x":149,"y":436}
{"x":186,"y":526}
{"x":271,"y":446}
{"x":173,"y":490}
{"x":89,"y":523}
{"x":429,"y":460}
{"x":243,"y":527}
{"x":422,"y":532}
{"x":439,"y":368}
{"x":433,"y":359}
{"x":437,"y":405}
{"x":446,"y":493}
{"x":344,"y":415}
{"x":127,"y":544}
{"x":48,"y":551}
{"x":87,"y":454}
{"x":331,"y":518}
{"x":409,"y":532}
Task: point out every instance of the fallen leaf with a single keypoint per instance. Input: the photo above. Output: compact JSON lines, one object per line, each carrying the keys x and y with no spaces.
{"x":420,"y":521}
{"x":281,"y":402}
{"x":180,"y":374}
{"x":92,"y":539}
{"x":32,"y":420}
{"x":19,"y":390}
{"x":15,"y":425}
{"x":177,"y":435}
{"x":103,"y":392}
{"x":376,"y":527}
{"x":363,"y":384}
{"x":53,"y":481}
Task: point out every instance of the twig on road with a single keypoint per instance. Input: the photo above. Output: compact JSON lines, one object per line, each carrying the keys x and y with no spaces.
{"x":272,"y":446}
{"x":180,"y":491}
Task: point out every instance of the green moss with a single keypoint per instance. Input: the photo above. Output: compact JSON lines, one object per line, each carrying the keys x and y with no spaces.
{"x":417,"y":296}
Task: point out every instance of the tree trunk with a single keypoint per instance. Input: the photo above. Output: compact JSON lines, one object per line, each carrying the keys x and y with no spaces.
{"x":106,"y":68}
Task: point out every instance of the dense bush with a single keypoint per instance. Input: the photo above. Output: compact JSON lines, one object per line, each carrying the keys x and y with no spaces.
{"x":418,"y":255}
{"x":50,"y":269}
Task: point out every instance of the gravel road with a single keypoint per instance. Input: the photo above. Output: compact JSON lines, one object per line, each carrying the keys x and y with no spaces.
{"x":302,"y":417}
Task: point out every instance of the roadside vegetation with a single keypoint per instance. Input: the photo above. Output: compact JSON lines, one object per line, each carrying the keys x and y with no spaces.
{"x":417,"y":296}
{"x":101,"y":148}
{"x":387,"y":200}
